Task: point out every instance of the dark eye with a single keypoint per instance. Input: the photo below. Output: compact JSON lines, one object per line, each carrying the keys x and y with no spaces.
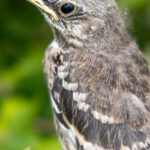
{"x":67,"y":8}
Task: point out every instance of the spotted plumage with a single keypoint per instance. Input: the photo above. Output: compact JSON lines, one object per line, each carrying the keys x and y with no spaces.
{"x":98,"y":79}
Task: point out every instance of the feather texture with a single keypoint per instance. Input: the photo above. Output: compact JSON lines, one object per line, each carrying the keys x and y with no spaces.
{"x":108,"y":108}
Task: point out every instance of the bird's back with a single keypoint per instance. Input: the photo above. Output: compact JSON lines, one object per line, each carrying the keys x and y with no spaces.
{"x":100,"y":101}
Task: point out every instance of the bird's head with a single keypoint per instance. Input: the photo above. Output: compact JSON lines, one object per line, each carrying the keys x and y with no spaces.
{"x":78,"y":19}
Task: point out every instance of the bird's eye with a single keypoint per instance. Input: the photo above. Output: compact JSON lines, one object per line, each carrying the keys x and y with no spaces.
{"x":67,"y":8}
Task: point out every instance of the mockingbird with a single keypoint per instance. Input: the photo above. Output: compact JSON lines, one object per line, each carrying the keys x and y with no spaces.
{"x":98,"y":79}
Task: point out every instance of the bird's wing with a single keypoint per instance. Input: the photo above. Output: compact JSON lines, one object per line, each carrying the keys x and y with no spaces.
{"x":122,"y":123}
{"x":99,"y":117}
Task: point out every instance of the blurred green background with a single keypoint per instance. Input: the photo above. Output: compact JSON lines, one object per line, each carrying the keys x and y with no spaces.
{"x":26,"y":121}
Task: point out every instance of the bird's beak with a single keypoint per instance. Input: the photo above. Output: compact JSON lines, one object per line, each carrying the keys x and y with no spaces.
{"x":40,"y":4}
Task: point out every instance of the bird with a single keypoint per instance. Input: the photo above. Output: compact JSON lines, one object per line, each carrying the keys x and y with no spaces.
{"x":97,"y":77}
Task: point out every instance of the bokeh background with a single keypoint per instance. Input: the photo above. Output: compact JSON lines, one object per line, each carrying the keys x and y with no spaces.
{"x":26,"y":121}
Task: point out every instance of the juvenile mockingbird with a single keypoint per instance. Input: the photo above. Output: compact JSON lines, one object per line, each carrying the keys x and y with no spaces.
{"x":98,"y":79}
